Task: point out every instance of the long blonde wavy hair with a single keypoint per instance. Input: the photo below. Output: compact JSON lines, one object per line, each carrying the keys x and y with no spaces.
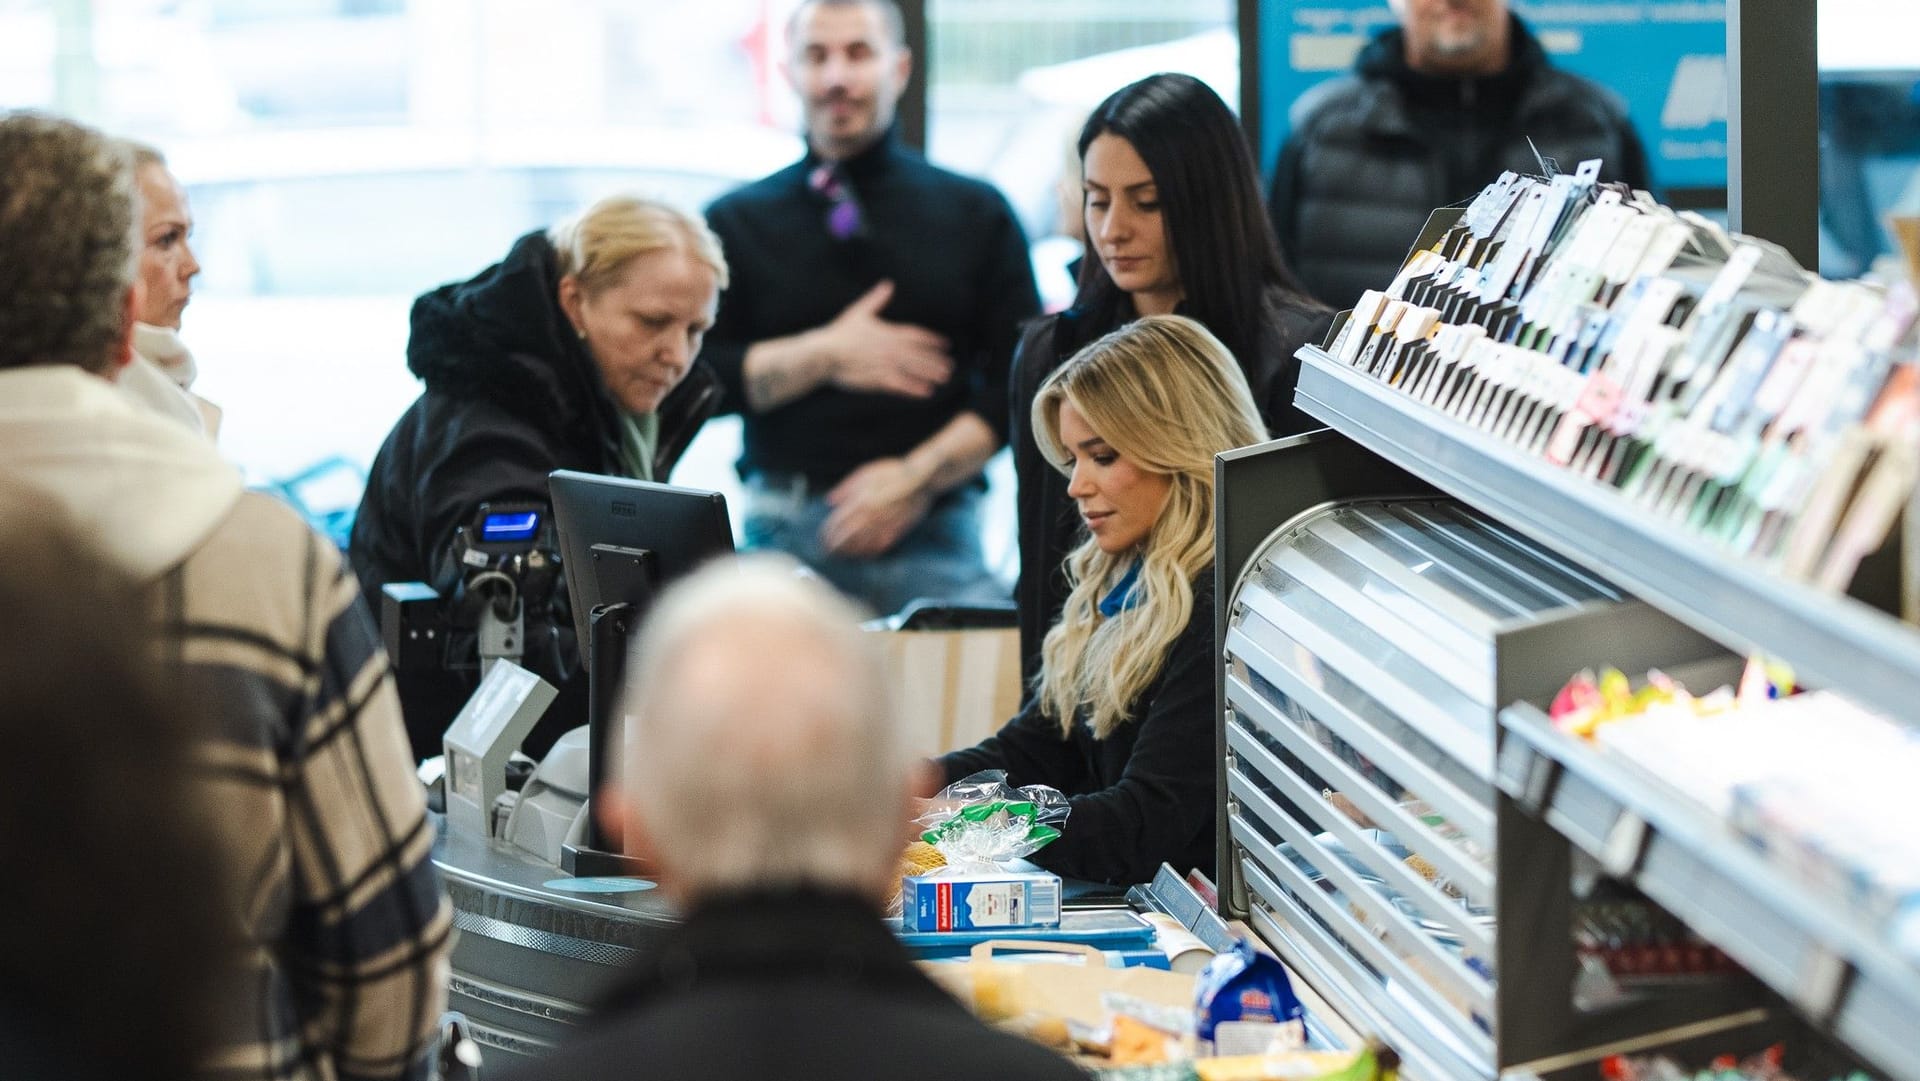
{"x":1166,"y":395}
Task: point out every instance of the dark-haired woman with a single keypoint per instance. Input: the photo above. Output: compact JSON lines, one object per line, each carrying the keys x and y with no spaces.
{"x":1175,"y":224}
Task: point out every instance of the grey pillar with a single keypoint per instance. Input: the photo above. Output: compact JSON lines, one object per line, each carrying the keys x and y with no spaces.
{"x":1247,"y":21}
{"x":912,"y":118}
{"x":1773,"y":124}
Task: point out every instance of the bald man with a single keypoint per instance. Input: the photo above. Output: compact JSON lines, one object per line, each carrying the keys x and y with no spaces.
{"x":769,"y":783}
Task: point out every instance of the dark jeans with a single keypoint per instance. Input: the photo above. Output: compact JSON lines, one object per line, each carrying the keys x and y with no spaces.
{"x":938,"y":559}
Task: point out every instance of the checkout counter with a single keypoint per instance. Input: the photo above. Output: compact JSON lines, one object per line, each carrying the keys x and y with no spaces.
{"x":538,"y":943}
{"x":536,"y":946}
{"x":532,"y":952}
{"x":546,"y":926}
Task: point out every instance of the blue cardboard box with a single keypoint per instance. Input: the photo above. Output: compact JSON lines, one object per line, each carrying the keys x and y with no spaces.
{"x":979,"y":902}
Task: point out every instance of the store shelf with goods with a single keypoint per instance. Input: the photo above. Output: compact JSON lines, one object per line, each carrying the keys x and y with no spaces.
{"x":1767,"y":1034}
{"x":1840,"y":972}
{"x":1358,"y":693}
{"x":1829,"y":641}
{"x":1369,"y":634}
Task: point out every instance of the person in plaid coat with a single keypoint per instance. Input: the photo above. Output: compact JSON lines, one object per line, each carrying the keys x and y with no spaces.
{"x":321,"y":826}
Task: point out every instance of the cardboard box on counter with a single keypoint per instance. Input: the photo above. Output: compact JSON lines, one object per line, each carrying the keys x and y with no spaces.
{"x":973,"y":902}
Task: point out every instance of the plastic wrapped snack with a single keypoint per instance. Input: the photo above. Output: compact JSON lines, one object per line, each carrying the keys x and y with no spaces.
{"x":1246,"y":991}
{"x":980,"y":823}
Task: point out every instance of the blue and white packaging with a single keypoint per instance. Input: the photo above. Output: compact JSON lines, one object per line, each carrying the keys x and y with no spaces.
{"x":975,"y":902}
{"x":1251,"y":990}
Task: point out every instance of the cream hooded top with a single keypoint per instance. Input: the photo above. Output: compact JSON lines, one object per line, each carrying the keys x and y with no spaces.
{"x":161,"y":378}
{"x":146,"y":490}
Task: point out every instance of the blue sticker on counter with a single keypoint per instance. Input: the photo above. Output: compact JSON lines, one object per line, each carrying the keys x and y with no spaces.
{"x":598,"y":885}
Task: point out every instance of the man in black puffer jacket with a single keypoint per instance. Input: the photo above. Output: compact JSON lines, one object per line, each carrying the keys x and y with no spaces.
{"x":1436,"y":109}
{"x":526,"y":374}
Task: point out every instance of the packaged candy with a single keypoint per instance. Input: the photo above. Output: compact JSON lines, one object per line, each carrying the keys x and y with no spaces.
{"x":1587,"y":703}
{"x":1576,"y":702}
{"x":979,"y":824}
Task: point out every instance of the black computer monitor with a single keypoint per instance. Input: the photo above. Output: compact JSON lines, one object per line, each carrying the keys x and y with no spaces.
{"x":621,"y":540}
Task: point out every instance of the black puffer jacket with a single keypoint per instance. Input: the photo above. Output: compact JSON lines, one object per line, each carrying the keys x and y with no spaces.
{"x":1371,"y":154}
{"x":511,"y":395}
{"x":1049,"y":525}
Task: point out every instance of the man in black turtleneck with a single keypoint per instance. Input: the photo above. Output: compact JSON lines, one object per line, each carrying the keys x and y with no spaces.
{"x":864,"y":339}
{"x":768,"y":782}
{"x":1436,"y":109}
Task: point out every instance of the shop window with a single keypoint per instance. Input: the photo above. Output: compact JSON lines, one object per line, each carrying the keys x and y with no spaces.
{"x":1869,"y":129}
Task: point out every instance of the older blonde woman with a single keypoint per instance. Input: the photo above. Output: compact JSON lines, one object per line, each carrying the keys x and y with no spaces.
{"x":576,"y":351}
{"x":1121,"y":719}
{"x":163,"y":370}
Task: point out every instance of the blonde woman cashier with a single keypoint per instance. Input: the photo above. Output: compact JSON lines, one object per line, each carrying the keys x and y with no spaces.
{"x":1121,"y":716}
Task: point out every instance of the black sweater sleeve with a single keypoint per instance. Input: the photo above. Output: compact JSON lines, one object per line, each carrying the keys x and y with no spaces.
{"x":1036,"y":504}
{"x":1031,"y":748}
{"x":1161,"y":810}
{"x":1289,"y":324}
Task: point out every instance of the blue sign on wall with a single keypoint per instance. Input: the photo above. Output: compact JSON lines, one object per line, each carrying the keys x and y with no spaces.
{"x":1667,"y":58}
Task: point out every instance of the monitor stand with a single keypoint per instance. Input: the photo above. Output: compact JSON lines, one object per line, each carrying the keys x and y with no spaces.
{"x":588,"y":862}
{"x":609,"y":626}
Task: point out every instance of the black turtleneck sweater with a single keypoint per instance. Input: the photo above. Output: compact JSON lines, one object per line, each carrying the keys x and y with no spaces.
{"x":959,"y":264}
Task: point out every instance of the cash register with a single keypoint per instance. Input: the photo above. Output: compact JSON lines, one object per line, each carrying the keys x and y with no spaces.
{"x":547,"y":916}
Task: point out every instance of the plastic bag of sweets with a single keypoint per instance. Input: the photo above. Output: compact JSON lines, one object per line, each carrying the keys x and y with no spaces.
{"x":981,"y":823}
{"x":1248,"y":992}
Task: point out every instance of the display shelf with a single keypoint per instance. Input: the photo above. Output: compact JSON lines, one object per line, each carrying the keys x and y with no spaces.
{"x":1367,"y":645}
{"x":1839,"y":973}
{"x":1394,"y":941}
{"x":1830,"y":641}
{"x":1469,"y":877}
